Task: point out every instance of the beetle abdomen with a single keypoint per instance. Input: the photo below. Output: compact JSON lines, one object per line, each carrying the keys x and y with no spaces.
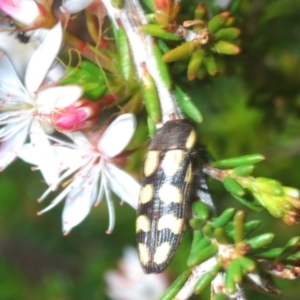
{"x":166,"y":182}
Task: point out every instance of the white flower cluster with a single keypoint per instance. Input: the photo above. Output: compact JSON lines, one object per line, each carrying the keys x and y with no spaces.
{"x":84,"y":161}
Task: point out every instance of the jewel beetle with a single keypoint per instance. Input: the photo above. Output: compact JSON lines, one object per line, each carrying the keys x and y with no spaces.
{"x":167,"y":180}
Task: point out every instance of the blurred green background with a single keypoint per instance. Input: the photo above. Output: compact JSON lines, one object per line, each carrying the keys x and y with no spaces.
{"x":253,"y":107}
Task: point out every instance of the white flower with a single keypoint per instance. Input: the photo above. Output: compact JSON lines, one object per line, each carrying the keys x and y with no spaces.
{"x":24,"y":109}
{"x":92,"y":160}
{"x":131,"y":283}
{"x":23,"y":11}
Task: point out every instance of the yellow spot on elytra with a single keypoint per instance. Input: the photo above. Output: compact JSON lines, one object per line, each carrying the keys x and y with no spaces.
{"x":151,"y":163}
{"x":191,"y":140}
{"x":162,"y":253}
{"x":170,"y":193}
{"x":142,"y":224}
{"x":146,"y":193}
{"x":172,"y":161}
{"x":144,"y":253}
{"x":188,"y":175}
{"x":171,"y":222}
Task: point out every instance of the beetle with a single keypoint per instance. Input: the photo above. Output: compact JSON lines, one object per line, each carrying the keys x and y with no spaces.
{"x":167,"y":180}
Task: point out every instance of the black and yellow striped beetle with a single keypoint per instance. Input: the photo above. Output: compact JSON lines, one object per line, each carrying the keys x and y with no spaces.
{"x":166,"y":186}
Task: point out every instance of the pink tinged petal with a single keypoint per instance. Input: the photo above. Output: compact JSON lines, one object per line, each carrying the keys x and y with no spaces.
{"x":77,"y":207}
{"x":74,"y":6}
{"x":57,"y":199}
{"x":27,"y":154}
{"x":57,"y":97}
{"x":61,"y":195}
{"x":46,"y":159}
{"x":13,"y":127}
{"x":79,"y":115}
{"x":9,"y":147}
{"x":123,"y":185}
{"x":80,"y":140}
{"x":43,"y":58}
{"x":110,"y":205}
{"x":69,"y":159}
{"x":8,"y":75}
{"x":23,"y":11}
{"x":117,"y":135}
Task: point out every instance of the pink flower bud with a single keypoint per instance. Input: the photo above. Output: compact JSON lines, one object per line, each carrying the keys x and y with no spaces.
{"x":81,"y":114}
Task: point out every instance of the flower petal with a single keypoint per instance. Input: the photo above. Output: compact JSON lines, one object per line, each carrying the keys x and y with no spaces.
{"x":9,"y":147}
{"x":43,"y":58}
{"x":23,"y":11}
{"x":123,"y":185}
{"x":18,"y":53}
{"x":8,"y":75}
{"x":45,"y":156}
{"x":58,"y":97}
{"x":117,"y":135}
{"x":74,"y":6}
{"x":77,"y":206}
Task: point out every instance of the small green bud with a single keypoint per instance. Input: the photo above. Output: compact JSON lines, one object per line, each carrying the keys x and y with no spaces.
{"x":196,"y":224}
{"x":270,"y":253}
{"x":162,"y":67}
{"x":220,"y":236}
{"x":176,"y":286}
{"x":233,"y":187}
{"x":195,"y":64}
{"x":218,"y":21}
{"x":125,"y":61}
{"x":248,"y":265}
{"x":291,"y":246}
{"x":182,"y":51}
{"x":200,"y":242}
{"x":238,"y":223}
{"x":224,"y":218}
{"x":266,"y":185}
{"x":200,"y":210}
{"x":243,"y":170}
{"x":150,"y":96}
{"x":210,"y":64}
{"x":234,"y":275}
{"x":295,"y":258}
{"x":187,"y":105}
{"x":260,"y":241}
{"x":157,"y":31}
{"x":249,"y":227}
{"x":206,"y":279}
{"x":230,"y":33}
{"x":201,"y":12}
{"x":208,"y":229}
{"x":202,"y":256}
{"x":238,"y":161}
{"x":254,"y":204}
